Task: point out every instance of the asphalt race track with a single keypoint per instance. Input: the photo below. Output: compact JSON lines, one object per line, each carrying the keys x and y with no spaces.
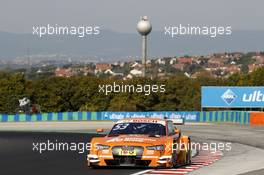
{"x":17,"y":156}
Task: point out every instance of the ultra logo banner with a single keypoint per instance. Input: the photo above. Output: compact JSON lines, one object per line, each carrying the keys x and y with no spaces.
{"x":229,"y":96}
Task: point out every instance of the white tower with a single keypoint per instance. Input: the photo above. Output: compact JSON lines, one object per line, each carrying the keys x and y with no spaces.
{"x":144,"y":28}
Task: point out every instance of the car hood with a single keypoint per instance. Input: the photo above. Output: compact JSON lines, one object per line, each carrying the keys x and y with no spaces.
{"x":133,"y":140}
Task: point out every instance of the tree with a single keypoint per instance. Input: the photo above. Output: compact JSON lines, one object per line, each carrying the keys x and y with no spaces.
{"x":12,"y":88}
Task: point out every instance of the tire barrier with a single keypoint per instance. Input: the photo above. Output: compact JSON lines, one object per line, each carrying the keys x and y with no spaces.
{"x":240,"y":117}
{"x":257,"y":118}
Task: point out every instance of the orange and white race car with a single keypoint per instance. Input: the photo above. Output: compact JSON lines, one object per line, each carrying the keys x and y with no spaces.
{"x":144,"y":142}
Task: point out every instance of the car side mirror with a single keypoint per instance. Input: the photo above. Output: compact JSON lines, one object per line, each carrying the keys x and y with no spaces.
{"x":99,"y":130}
{"x":177,"y":131}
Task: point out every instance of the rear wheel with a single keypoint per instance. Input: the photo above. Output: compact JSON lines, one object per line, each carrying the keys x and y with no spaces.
{"x":189,"y":153}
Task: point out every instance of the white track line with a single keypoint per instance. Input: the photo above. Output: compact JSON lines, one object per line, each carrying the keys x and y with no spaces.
{"x":170,"y":172}
{"x":203,"y":159}
{"x":163,"y":174}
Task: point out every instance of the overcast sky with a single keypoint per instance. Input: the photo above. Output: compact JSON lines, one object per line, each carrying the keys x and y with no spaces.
{"x":122,"y":15}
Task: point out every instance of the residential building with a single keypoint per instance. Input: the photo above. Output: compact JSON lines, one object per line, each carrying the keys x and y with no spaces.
{"x":62,"y":72}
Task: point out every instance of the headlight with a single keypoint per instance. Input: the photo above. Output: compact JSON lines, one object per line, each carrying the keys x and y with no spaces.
{"x":157,"y":147}
{"x":102,"y":147}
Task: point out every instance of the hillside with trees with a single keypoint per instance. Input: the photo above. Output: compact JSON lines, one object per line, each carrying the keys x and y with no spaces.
{"x":80,"y":93}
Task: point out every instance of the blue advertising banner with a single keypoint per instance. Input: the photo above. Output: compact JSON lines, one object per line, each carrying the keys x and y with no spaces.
{"x":178,"y":117}
{"x":188,"y":116}
{"x":233,"y":97}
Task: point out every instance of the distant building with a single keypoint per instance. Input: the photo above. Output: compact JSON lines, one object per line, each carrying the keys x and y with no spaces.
{"x":102,"y":67}
{"x":61,"y":72}
{"x":108,"y":71}
{"x":259,"y":59}
{"x":233,"y":62}
{"x":184,"y":60}
{"x":160,"y":61}
{"x":233,"y":69}
{"x":148,"y":62}
{"x":253,"y":67}
{"x":216,"y":62}
{"x":87,"y":71}
{"x":129,"y":76}
{"x":136,"y":72}
{"x":173,"y":61}
{"x":122,"y":64}
{"x":39,"y":71}
{"x":136,"y":65}
{"x":178,"y":66}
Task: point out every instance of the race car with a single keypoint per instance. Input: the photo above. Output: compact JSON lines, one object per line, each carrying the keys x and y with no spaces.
{"x":147,"y":142}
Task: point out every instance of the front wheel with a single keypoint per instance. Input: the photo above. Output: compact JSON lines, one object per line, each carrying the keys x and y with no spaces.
{"x":174,"y":159}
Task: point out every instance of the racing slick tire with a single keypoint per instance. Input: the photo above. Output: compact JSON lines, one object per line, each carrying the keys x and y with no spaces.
{"x":189,"y":153}
{"x":174,"y":160}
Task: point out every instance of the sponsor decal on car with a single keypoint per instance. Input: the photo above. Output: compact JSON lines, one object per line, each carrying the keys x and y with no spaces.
{"x":130,"y":139}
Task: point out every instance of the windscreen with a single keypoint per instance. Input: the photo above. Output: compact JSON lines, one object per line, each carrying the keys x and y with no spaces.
{"x":138,"y":128}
